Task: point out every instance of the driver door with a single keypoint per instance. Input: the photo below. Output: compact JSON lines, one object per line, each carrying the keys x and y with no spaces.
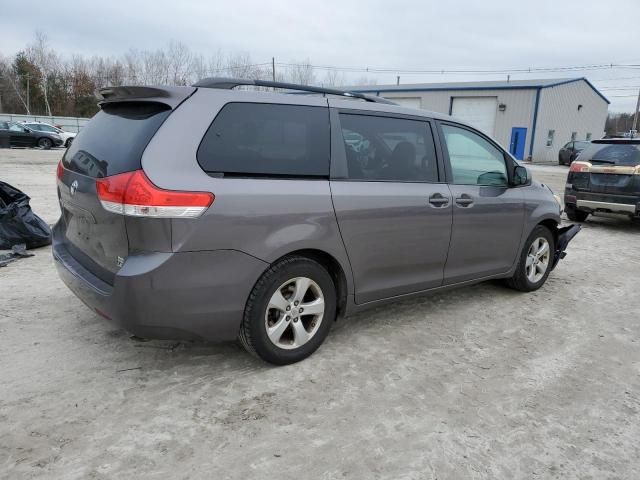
{"x":488,"y":213}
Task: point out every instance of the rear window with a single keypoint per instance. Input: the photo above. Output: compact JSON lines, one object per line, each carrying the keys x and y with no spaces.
{"x":610,"y":153}
{"x":115,"y":138}
{"x":254,"y":139}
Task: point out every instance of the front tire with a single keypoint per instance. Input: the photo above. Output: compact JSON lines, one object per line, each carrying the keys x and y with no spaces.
{"x":289,"y":312}
{"x":45,"y":143}
{"x":536,"y":260}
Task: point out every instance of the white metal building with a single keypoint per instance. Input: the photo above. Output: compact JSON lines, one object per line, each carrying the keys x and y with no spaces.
{"x":533,"y":119}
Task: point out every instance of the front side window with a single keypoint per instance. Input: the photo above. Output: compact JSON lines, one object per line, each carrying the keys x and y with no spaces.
{"x":261,"y":139}
{"x":474,"y":161}
{"x":388,"y":149}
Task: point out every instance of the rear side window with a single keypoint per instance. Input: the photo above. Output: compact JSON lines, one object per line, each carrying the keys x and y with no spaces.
{"x":388,"y":149}
{"x":627,"y":155}
{"x":115,"y":138}
{"x":261,"y":139}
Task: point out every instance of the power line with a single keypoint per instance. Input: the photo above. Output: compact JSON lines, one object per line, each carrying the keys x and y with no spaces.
{"x":571,"y":68}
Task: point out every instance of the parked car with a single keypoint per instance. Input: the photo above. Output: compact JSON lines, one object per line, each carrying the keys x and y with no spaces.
{"x":23,"y":136}
{"x":605,"y":178}
{"x":569,"y":152}
{"x":67,"y":137}
{"x":225,"y":214}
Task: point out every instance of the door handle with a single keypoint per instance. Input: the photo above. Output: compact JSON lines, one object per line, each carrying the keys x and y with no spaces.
{"x":437,"y":200}
{"x":464,"y":200}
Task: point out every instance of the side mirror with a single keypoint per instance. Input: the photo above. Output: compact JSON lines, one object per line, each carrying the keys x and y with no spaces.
{"x":521,"y":176}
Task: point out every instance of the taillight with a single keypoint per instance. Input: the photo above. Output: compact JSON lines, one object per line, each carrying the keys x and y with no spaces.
{"x":133,"y":194}
{"x":60,"y":171}
{"x":580,"y":167}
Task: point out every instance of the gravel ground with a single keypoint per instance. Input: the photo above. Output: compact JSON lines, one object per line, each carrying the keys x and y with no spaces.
{"x":482,"y":382}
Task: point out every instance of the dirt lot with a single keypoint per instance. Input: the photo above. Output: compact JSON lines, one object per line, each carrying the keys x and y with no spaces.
{"x":482,"y":382}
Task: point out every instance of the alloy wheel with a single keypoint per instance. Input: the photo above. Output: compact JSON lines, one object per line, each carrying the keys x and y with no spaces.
{"x":294,"y":313}
{"x":537,"y":261}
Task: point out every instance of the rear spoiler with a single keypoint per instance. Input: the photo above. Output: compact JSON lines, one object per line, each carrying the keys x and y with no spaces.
{"x":171,"y":96}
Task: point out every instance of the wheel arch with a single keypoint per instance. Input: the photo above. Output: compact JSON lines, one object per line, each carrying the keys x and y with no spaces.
{"x":552,"y":225}
{"x":334,"y":268}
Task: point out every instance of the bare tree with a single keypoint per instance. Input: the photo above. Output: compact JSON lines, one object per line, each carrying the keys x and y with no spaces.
{"x":46,"y":60}
{"x":180,"y":63}
{"x":364,"y":80}
{"x":334,"y":78}
{"x":301,"y":72}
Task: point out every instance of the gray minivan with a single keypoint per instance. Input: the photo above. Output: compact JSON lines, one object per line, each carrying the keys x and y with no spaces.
{"x":220,"y":214}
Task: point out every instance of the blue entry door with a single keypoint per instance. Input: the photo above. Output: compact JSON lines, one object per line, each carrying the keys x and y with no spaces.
{"x":518,"y":139}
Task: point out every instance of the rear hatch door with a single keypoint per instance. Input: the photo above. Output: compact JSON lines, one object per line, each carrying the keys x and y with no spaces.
{"x":110,"y":144}
{"x":614,"y":167}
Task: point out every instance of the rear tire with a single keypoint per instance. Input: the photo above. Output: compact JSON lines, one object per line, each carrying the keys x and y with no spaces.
{"x":45,"y":143}
{"x":576,"y":215}
{"x":536,"y":259}
{"x":289,"y":312}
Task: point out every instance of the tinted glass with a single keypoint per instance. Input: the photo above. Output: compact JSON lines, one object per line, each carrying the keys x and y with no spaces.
{"x":474,"y":161}
{"x":16,"y":128}
{"x":614,"y":154}
{"x":581,"y":145}
{"x":4,"y":126}
{"x":267,"y":139}
{"x":113,"y":141}
{"x":391,"y":149}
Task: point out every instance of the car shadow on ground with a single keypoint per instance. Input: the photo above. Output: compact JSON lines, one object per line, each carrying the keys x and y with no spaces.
{"x":223,"y":360}
{"x":615,"y":223}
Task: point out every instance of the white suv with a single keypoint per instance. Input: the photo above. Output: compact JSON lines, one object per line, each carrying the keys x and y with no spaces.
{"x":67,"y":137}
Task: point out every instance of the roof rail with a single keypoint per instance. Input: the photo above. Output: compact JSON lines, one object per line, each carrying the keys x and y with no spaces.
{"x":229,"y":83}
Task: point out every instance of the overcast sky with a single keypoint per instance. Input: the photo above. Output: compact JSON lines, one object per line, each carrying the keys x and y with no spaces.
{"x":393,"y":34}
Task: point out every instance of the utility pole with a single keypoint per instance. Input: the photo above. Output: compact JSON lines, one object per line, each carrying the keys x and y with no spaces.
{"x":273,"y":68}
{"x":398,"y":80}
{"x":635,"y":117}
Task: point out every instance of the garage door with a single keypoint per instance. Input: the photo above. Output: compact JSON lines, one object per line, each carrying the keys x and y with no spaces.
{"x":411,"y":102}
{"x":477,"y":111}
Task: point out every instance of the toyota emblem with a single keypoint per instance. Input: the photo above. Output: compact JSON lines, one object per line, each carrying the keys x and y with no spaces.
{"x":73,"y":187}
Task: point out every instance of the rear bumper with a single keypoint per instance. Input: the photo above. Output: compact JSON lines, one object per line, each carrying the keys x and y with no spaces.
{"x":186,"y":295}
{"x":601,"y":202}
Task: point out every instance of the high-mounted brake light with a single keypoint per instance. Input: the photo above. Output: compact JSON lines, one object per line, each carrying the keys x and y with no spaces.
{"x":133,"y":194}
{"x":580,"y":167}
